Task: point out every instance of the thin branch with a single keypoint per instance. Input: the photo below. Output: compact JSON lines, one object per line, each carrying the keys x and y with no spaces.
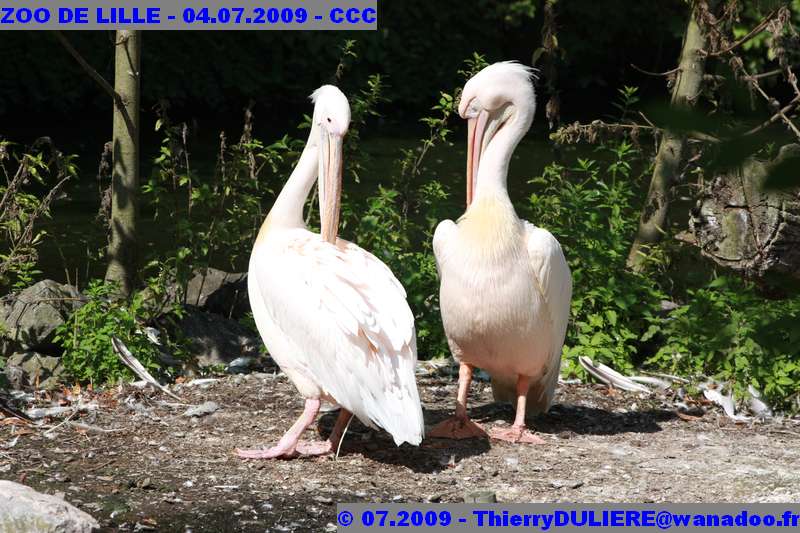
{"x":767,"y":74}
{"x":576,"y":131}
{"x":780,"y":113}
{"x":755,"y":31}
{"x":96,"y":76}
{"x":667,"y":73}
{"x":738,"y":64}
{"x":776,"y":117}
{"x":644,"y":117}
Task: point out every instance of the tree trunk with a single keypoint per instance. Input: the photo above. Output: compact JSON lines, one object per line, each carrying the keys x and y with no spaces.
{"x":671,"y":151}
{"x":741,"y":226}
{"x":123,"y":248}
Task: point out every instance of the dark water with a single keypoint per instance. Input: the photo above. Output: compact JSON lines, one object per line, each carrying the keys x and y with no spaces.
{"x":75,"y":236}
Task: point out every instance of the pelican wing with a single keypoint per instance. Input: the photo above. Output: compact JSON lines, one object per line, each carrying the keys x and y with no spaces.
{"x":443,"y":234}
{"x":346,"y":319}
{"x":555,"y":282}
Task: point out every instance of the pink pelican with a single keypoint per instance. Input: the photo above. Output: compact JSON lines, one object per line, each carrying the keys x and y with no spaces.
{"x":505,"y":284}
{"x":332,"y":315}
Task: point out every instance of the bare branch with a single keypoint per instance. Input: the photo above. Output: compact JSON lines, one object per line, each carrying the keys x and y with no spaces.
{"x":752,"y":33}
{"x":667,"y":73}
{"x":738,"y":65}
{"x":96,"y":76}
{"x":576,"y":131}
{"x":767,"y":74}
{"x":776,"y":117}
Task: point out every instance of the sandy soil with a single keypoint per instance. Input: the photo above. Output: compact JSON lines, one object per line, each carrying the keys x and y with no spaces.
{"x":151,"y":468}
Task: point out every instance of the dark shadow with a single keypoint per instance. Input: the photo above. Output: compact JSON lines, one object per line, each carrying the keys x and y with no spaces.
{"x":281,"y":510}
{"x":432,"y":456}
{"x":578,"y":419}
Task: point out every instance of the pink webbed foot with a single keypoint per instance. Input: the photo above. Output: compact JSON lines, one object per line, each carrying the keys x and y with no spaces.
{"x":315,"y":448}
{"x":516,"y":434}
{"x":457,"y":428}
{"x":276,"y":452}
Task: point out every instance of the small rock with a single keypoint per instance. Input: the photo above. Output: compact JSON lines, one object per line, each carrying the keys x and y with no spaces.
{"x":668,"y":306}
{"x":242,"y":365}
{"x":29,"y":369}
{"x":24,"y":509}
{"x":512,"y":463}
{"x":323,"y":499}
{"x":480,"y":496}
{"x":29,"y":318}
{"x":561,"y":483}
{"x":481,"y":375}
{"x":214,"y":339}
{"x":205,"y":408}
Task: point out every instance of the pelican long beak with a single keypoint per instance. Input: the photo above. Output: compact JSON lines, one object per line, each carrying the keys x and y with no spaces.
{"x":476,"y":129}
{"x":330,"y":185}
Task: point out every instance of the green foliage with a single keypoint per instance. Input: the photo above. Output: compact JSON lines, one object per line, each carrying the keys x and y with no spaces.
{"x":591,"y":210}
{"x":363,"y":105}
{"x":764,"y":49}
{"x":22,"y":205}
{"x":725,"y":329}
{"x":728,"y":331}
{"x":86,"y":336}
{"x":628,"y":97}
{"x":215,"y":218}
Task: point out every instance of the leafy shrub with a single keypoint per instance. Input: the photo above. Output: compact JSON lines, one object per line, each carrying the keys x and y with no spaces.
{"x":728,"y":331}
{"x":215,"y":217}
{"x":21,"y":206}
{"x":591,"y":209}
{"x":724,"y":329}
{"x":86,"y":336}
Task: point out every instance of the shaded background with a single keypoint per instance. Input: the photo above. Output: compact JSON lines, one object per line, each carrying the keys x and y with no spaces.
{"x":419,"y":48}
{"x":209,"y":78}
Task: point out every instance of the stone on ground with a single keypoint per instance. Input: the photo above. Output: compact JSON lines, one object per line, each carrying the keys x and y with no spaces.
{"x":29,"y":318}
{"x":216,"y":340}
{"x":32,"y":369}
{"x":23,"y":510}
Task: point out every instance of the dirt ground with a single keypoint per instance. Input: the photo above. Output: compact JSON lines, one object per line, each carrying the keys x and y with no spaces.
{"x":136,"y":463}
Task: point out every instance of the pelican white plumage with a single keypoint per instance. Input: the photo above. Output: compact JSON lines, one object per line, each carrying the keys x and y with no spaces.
{"x":505,"y":284}
{"x":332,"y":315}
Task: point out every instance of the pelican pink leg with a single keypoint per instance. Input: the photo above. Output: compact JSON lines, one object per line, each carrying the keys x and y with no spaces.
{"x":459,"y":426}
{"x":518,"y":432}
{"x":291,"y":446}
{"x":287,"y":446}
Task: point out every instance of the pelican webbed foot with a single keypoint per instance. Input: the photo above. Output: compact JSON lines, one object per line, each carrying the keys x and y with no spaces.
{"x":457,"y":427}
{"x":516,"y":434}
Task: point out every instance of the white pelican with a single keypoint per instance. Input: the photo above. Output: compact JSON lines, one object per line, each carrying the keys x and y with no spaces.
{"x":505,"y":284}
{"x":332,"y":315}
